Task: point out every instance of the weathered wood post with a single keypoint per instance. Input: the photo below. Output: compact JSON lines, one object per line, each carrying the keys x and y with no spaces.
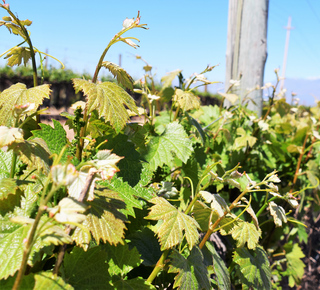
{"x":247,"y":49}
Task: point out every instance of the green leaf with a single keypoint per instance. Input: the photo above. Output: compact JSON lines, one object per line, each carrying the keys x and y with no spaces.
{"x":87,"y":270}
{"x":245,"y":232}
{"x":118,"y":72}
{"x":220,"y":270}
{"x":46,"y":280}
{"x":5,"y":163}
{"x":129,"y":194}
{"x":244,"y":140}
{"x":26,"y":284}
{"x":121,"y":260}
{"x":172,"y":142}
{"x":7,"y":186}
{"x":295,"y":266}
{"x":186,"y":100}
{"x":175,"y":224}
{"x":104,"y":219}
{"x":13,"y":237}
{"x":17,"y":54}
{"x":11,"y":247}
{"x":167,"y":80}
{"x":192,"y":273}
{"x":55,"y":138}
{"x":17,"y":95}
{"x":34,"y":153}
{"x":278,"y":214}
{"x":130,"y":166}
{"x":201,"y":213}
{"x":254,"y":268}
{"x":147,"y":245}
{"x":109,"y":100}
{"x":133,"y":284}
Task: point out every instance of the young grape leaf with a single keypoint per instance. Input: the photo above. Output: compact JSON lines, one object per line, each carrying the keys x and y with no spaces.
{"x":27,"y":282}
{"x":13,"y":237}
{"x":82,"y":238}
{"x":56,"y":137}
{"x":17,"y":95}
{"x":133,"y":284}
{"x":278,"y":213}
{"x":250,"y":211}
{"x":5,"y":163}
{"x":245,"y":232}
{"x":167,"y":79}
{"x":173,"y":141}
{"x":130,"y":166}
{"x":118,"y":72}
{"x":104,"y":219}
{"x":109,"y":100}
{"x":295,"y":266}
{"x":87,"y":270}
{"x":7,"y":187}
{"x":218,"y":204}
{"x":17,"y":54}
{"x":244,"y":140}
{"x":186,"y":100}
{"x":129,"y":194}
{"x":33,"y":152}
{"x":10,"y":135}
{"x":176,"y":224}
{"x":121,"y":260}
{"x":192,"y":273}
{"x":202,"y":213}
{"x":46,"y":280}
{"x":254,"y":268}
{"x":220,"y":270}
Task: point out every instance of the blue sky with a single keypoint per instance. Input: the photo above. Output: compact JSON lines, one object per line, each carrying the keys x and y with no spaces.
{"x":185,"y":35}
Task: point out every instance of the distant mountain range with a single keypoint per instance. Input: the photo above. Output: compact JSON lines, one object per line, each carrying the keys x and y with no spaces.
{"x":307,"y":90}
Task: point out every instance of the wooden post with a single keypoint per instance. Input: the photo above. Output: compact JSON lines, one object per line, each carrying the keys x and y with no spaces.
{"x":247,"y":49}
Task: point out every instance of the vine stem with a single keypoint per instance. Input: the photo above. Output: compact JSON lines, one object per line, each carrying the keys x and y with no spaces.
{"x":211,"y":229}
{"x":114,"y":40}
{"x":159,"y":266}
{"x":31,"y":236}
{"x":299,"y":162}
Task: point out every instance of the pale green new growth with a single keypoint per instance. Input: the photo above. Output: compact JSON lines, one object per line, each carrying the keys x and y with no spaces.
{"x":118,"y":72}
{"x":217,"y":203}
{"x":109,"y":100}
{"x":245,"y":232}
{"x":186,"y":100}
{"x":10,"y":135}
{"x":175,"y":224}
{"x":46,"y":280}
{"x":104,"y":220}
{"x":35,"y":153}
{"x":17,"y":95}
{"x":278,"y":214}
{"x":244,"y":140}
{"x":167,"y":80}
{"x":17,"y":54}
